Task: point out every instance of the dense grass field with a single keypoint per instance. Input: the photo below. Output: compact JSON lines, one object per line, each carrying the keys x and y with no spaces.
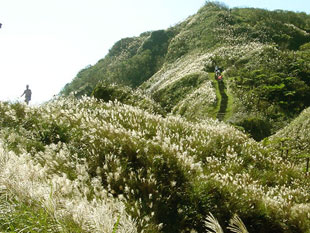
{"x":145,"y":151}
{"x":82,"y":165}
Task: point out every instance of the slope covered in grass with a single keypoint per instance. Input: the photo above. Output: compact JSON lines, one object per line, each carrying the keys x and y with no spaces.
{"x":295,"y":137}
{"x":96,"y":164}
{"x":264,"y":54}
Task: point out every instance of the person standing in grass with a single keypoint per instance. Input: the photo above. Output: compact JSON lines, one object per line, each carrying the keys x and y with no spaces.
{"x":217,"y":70}
{"x":27,"y":94}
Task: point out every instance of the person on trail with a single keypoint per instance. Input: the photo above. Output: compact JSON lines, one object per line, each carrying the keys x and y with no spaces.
{"x":217,"y":70}
{"x":27,"y":94}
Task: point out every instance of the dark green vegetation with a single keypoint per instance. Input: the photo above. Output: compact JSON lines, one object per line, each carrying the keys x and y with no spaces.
{"x":111,"y":92}
{"x":278,"y":86}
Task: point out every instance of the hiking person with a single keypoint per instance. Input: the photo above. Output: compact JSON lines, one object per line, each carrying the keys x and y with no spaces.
{"x":217,"y":71}
{"x":27,"y":94}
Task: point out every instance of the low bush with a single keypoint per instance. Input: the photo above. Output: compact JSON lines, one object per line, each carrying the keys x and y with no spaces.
{"x":256,"y":127}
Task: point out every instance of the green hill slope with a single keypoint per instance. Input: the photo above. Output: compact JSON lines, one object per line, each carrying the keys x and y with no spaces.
{"x":90,"y":164}
{"x":296,"y":136}
{"x":155,"y":144}
{"x":264,"y":54}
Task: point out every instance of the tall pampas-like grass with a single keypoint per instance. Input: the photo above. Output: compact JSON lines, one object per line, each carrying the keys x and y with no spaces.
{"x":235,"y":225}
{"x":213,"y":225}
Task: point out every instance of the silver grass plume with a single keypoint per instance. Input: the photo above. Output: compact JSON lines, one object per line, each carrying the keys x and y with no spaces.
{"x":213,"y":224}
{"x":236,"y":225}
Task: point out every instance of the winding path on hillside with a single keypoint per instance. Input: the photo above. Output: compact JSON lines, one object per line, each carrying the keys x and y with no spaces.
{"x":224,"y":101}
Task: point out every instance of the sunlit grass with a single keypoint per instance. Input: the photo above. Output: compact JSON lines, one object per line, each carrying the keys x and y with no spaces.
{"x":106,"y":165}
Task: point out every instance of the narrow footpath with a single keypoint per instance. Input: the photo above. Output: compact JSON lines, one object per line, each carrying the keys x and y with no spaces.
{"x":224,"y":101}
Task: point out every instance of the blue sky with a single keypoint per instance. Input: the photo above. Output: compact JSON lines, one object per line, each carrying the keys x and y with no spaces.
{"x":44,"y":43}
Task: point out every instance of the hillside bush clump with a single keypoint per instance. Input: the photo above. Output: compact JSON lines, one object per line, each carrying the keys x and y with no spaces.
{"x":126,"y":95}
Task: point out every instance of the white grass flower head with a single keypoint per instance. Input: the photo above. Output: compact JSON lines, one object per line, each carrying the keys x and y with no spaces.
{"x":213,"y":225}
{"x":236,"y":225}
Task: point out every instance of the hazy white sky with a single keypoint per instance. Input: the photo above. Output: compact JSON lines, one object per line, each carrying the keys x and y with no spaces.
{"x":44,"y":43}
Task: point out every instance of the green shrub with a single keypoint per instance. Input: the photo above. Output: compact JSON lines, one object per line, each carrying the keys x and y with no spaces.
{"x":111,"y":92}
{"x":256,"y":127}
{"x":107,"y":92}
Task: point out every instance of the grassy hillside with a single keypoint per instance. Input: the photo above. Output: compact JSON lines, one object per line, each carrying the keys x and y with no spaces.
{"x":89,"y":166}
{"x":130,"y":62}
{"x":294,"y":140}
{"x":264,"y":54}
{"x":137,"y":146}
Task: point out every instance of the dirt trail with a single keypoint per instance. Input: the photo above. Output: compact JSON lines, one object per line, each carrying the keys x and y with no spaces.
{"x":224,"y":102}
